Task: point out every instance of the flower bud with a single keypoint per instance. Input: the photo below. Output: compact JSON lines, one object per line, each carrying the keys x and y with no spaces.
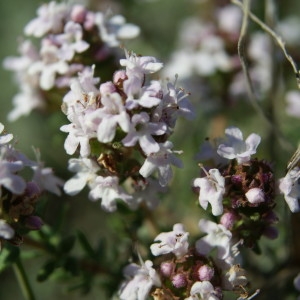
{"x":119,"y":77}
{"x":32,"y":189}
{"x":33,"y":222}
{"x":107,"y":88}
{"x":179,"y":281}
{"x":255,"y":195}
{"x":166,"y":269}
{"x":228,"y":219}
{"x":205,"y":273}
{"x":78,"y":13}
{"x":271,"y":232}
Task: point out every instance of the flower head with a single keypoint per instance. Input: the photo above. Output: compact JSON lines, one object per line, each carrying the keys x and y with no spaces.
{"x":290,"y":187}
{"x":236,"y":148}
{"x":140,"y":280}
{"x":175,"y":241}
{"x":212,"y":189}
{"x":217,"y":236}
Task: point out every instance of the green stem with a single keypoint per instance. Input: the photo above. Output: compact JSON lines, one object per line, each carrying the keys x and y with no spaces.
{"x":23,"y":280}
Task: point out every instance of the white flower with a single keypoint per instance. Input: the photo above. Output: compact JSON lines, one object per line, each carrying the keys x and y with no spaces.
{"x":161,"y":161}
{"x":6,"y":231}
{"x":290,"y":187}
{"x":147,"y":191}
{"x":49,"y":66}
{"x":235,"y":147}
{"x":50,"y":18}
{"x":112,"y":113}
{"x":140,"y":64}
{"x":212,"y":189}
{"x":108,"y":190}
{"x":6,"y":138}
{"x":142,"y":131}
{"x":293,"y":103}
{"x":175,"y":241}
{"x":115,"y":29}
{"x":217,"y":236}
{"x":46,"y":180}
{"x":235,"y":277}
{"x":8,"y":177}
{"x":202,"y":290}
{"x":71,"y":41}
{"x":140,"y":280}
{"x":86,"y":173}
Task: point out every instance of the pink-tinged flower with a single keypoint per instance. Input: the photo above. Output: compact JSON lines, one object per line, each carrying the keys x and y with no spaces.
{"x":114,"y":29}
{"x":147,"y":96}
{"x":203,"y":290}
{"x":147,"y":191}
{"x":175,"y":241}
{"x":161,"y":161}
{"x":48,"y":66}
{"x":70,"y":41}
{"x":86,"y":173}
{"x":255,"y":196}
{"x":140,"y":280}
{"x":6,"y":231}
{"x":289,"y":186}
{"x":50,"y":19}
{"x":5,"y":138}
{"x":141,"y":131}
{"x":108,"y":190}
{"x":217,"y":236}
{"x":236,"y":148}
{"x":8,"y":177}
{"x":140,"y":64}
{"x":212,"y":189}
{"x":46,"y":180}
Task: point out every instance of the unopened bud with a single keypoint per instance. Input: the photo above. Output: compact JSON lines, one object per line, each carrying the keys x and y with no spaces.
{"x":179,"y":281}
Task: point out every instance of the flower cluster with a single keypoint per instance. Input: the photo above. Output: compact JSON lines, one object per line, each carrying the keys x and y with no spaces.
{"x":185,"y":272}
{"x":71,"y":38}
{"x":121,"y":131}
{"x":18,"y":196}
{"x":241,"y":190}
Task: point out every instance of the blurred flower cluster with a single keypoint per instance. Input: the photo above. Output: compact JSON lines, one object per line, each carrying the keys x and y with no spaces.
{"x":61,"y":41}
{"x":18,"y":195}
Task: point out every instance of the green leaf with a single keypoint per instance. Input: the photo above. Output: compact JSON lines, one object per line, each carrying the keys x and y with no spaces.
{"x":66,"y":245}
{"x":8,"y":255}
{"x":46,"y":270}
{"x":85,"y":244}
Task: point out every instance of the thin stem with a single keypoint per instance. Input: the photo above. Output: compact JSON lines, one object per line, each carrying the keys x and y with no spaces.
{"x":245,"y":6}
{"x":275,"y":36}
{"x":23,"y":280}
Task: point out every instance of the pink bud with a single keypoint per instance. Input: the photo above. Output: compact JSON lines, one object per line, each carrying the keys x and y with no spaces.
{"x":107,"y":88}
{"x":179,"y":281}
{"x":166,"y":269}
{"x":206,"y":273}
{"x":228,"y":219}
{"x":119,"y":76}
{"x":78,"y":13}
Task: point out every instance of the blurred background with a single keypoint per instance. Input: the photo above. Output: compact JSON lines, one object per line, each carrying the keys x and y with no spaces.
{"x":162,"y":26}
